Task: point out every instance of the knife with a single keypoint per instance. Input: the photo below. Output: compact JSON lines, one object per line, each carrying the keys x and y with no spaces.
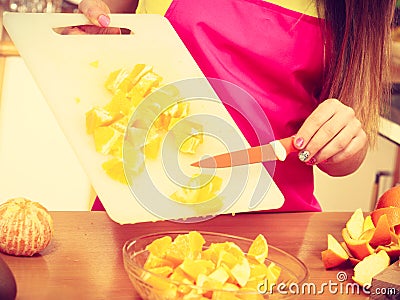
{"x":275,"y":150}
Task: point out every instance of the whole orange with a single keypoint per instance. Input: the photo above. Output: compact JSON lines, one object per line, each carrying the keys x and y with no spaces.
{"x":26,"y":227}
{"x":390,"y":198}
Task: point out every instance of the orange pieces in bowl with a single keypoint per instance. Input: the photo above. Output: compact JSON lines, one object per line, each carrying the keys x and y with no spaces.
{"x":370,"y":243}
{"x":219,"y":271}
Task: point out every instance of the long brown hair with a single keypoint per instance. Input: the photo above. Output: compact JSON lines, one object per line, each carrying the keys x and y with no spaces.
{"x":358,"y":73}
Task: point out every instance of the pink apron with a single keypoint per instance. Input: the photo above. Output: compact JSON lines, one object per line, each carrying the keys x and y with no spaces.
{"x":274,"y":54}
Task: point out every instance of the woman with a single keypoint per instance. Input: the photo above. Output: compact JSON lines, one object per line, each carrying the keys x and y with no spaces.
{"x":319,"y":70}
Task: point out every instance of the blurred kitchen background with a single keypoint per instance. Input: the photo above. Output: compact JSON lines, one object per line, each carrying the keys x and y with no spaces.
{"x":37,"y":162}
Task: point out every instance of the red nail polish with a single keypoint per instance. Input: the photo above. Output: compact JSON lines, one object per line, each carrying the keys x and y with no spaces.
{"x":299,"y":142}
{"x":103,"y":20}
{"x":312,"y":161}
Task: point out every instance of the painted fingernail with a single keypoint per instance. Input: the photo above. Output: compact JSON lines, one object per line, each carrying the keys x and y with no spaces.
{"x":312,"y":161}
{"x":299,"y":142}
{"x":303,"y":155}
{"x":103,"y":20}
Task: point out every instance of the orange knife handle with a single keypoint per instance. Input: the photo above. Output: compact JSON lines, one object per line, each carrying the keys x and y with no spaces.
{"x":283,"y":147}
{"x":287,"y":143}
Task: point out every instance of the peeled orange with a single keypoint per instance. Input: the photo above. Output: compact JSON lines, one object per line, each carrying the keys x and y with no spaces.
{"x":26,"y":227}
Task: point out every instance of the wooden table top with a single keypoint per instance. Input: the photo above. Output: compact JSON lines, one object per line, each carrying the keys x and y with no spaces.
{"x":84,"y":259}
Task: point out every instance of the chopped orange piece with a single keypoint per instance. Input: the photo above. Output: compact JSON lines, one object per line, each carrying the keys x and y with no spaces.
{"x":141,"y":88}
{"x":208,"y":283}
{"x":162,"y":287}
{"x":153,"y":143}
{"x":368,"y":224}
{"x":188,"y":134}
{"x":97,"y":117}
{"x":122,"y":80}
{"x":358,"y":248}
{"x":367,"y":235}
{"x":119,"y":105}
{"x":159,"y":246}
{"x":181,"y":277}
{"x":115,"y":170}
{"x":105,"y":138}
{"x":121,"y":124}
{"x":355,"y":224}
{"x":259,"y":249}
{"x":382,"y":233}
{"x":133,"y":160}
{"x":228,"y":259}
{"x":200,"y":191}
{"x":153,"y":261}
{"x":163,"y":271}
{"x":335,"y":255}
{"x":191,"y":144}
{"x":188,"y":245}
{"x":241,"y":271}
{"x":258,"y":270}
{"x":195,"y":267}
{"x":220,"y":275}
{"x":115,"y":79}
{"x":369,"y":267}
{"x":273,"y":274}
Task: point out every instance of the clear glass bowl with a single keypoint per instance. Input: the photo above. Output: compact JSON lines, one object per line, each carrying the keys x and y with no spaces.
{"x":293,"y":272}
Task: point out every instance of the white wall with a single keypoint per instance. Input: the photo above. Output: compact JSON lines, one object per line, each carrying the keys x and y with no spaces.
{"x":36,"y":161}
{"x":354,"y":191}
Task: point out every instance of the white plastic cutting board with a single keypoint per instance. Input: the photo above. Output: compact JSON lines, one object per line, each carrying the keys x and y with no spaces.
{"x":61,"y":66}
